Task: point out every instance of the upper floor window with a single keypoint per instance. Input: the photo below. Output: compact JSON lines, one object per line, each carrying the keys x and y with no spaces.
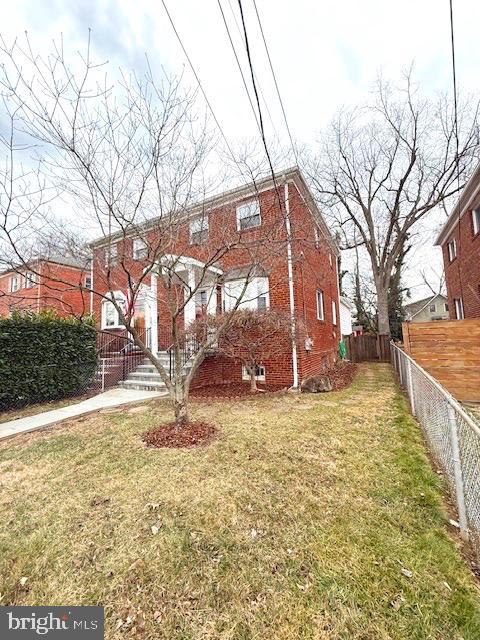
{"x":433,"y":308}
{"x":476,"y":221}
{"x":334,"y":312}
{"x":111,"y":255}
{"x":252,"y":294}
{"x":88,"y":282}
{"x":14,"y":284}
{"x":320,"y":307}
{"x":110,"y":315}
{"x":316,"y":233}
{"x":140,"y":249}
{"x":458,"y":302}
{"x":452,"y":250}
{"x":199,"y":230}
{"x":248,"y":215}
{"x":330,"y":259}
{"x":30,"y":280}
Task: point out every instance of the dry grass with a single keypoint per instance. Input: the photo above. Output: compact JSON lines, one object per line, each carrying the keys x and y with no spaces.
{"x":295,"y":523}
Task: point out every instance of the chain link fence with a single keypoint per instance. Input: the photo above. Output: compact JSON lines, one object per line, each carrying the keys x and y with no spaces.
{"x":453,"y":437}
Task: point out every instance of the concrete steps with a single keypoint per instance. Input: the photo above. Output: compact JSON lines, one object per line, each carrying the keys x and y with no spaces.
{"x":146,"y":377}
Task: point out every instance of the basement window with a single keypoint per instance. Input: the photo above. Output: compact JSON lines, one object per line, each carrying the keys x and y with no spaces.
{"x":259,"y":373}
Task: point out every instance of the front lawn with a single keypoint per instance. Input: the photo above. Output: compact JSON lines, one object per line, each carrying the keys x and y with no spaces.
{"x":312,"y":517}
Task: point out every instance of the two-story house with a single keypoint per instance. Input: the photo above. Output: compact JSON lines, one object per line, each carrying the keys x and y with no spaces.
{"x":460,"y":242}
{"x":427,"y":309}
{"x":55,"y":282}
{"x":286,"y":260}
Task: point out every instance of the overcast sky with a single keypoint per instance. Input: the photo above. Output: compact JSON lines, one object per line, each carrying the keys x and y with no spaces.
{"x":325,"y":54}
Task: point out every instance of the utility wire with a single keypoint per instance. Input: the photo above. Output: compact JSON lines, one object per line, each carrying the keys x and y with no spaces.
{"x":276,"y":83}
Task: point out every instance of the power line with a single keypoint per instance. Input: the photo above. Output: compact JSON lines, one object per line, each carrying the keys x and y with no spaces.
{"x":199,"y":83}
{"x":276,"y":83}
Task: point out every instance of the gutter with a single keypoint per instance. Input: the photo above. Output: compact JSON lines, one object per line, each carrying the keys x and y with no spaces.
{"x":290,"y":287}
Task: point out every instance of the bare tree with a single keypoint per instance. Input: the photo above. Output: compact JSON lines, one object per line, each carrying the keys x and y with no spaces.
{"x":253,"y":337}
{"x":383,"y":167}
{"x":133,"y":155}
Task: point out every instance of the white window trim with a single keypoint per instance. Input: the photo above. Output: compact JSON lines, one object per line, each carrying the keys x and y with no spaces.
{"x":111,"y":255}
{"x":17,"y":284}
{"x":334,"y":312}
{"x":249,"y":300}
{"x":476,"y":220}
{"x":459,"y":312}
{"x":30,"y":280}
{"x":203,"y":226}
{"x":317,"y":237}
{"x":321,"y":307}
{"x":260,"y":377}
{"x":245,"y":205}
{"x":105,"y":301}
{"x":452,"y":250}
{"x":139,"y":249}
{"x":432,"y":308}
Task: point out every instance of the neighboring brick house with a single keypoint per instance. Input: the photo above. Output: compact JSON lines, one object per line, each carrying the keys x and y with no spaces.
{"x":47,"y":283}
{"x":460,"y":242}
{"x":428,"y":309}
{"x":300,"y":277}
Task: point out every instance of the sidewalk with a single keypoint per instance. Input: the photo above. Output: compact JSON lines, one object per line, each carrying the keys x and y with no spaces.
{"x":110,"y":398}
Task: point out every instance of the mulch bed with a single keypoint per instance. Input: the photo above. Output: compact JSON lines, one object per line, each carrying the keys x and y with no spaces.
{"x":342,"y":375}
{"x":169,"y":435}
{"x":232,"y":391}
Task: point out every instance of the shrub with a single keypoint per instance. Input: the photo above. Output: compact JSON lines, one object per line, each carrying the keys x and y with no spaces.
{"x":44,"y":357}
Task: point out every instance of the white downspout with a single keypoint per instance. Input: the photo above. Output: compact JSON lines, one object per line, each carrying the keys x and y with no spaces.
{"x":91,"y":285}
{"x":290,"y":288}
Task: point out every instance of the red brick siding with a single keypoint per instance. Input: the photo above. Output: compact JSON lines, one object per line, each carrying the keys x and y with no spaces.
{"x":463,"y":273}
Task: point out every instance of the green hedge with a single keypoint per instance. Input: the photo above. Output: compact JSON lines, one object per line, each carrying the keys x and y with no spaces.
{"x":44,"y":357}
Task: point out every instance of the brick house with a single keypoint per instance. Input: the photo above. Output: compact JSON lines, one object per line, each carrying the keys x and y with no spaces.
{"x":460,"y":242}
{"x":47,"y":283}
{"x":295,"y":271}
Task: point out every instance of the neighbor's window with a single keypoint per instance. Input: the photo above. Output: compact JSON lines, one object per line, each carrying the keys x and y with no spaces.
{"x":110,"y":316}
{"x":320,"y":309}
{"x":140,"y":249}
{"x":248,"y":215}
{"x":334,"y":312}
{"x":111,"y":255}
{"x":433,"y":308}
{"x":446,"y":306}
{"x":14,"y":286}
{"x":259,"y":373}
{"x":476,"y":221}
{"x":30,"y":280}
{"x":458,"y":302}
{"x":199,"y":230}
{"x":452,"y":250}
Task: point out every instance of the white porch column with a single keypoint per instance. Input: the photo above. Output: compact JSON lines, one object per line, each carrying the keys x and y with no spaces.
{"x":189,"y":313}
{"x":154,"y":313}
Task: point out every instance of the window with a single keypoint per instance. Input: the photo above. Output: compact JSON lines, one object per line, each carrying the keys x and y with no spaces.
{"x":320,"y":309}
{"x":140,"y":249}
{"x":110,"y":318}
{"x":446,"y":306}
{"x":111,"y":255}
{"x":452,"y":250}
{"x":433,"y":308}
{"x":199,"y":230}
{"x":458,"y":302}
{"x":330,"y":259}
{"x":334,"y":312}
{"x":476,"y":221}
{"x":30,"y":280}
{"x":88,"y":282}
{"x":254,"y":295}
{"x":14,"y":286}
{"x":259,"y":373}
{"x":248,"y":215}
{"x":317,"y":238}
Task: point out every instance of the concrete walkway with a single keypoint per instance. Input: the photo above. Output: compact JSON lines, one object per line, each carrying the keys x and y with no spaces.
{"x":111,"y":398}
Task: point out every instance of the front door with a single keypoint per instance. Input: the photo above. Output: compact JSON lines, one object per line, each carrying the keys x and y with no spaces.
{"x":142,"y":318}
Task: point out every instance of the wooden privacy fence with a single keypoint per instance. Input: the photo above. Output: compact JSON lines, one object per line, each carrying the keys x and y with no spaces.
{"x":368,"y":348}
{"x":450,"y":351}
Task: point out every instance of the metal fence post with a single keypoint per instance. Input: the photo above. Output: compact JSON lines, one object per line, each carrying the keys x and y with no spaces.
{"x":400,"y":367}
{"x":103,"y":374}
{"x":457,"y":469}
{"x":410,"y":387}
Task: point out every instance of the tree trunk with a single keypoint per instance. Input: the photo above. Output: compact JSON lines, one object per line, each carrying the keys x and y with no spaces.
{"x":253,"y":381}
{"x":382,"y":308}
{"x":180,"y":406}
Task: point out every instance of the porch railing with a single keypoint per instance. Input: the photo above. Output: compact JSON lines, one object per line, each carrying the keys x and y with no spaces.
{"x":188,"y":349}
